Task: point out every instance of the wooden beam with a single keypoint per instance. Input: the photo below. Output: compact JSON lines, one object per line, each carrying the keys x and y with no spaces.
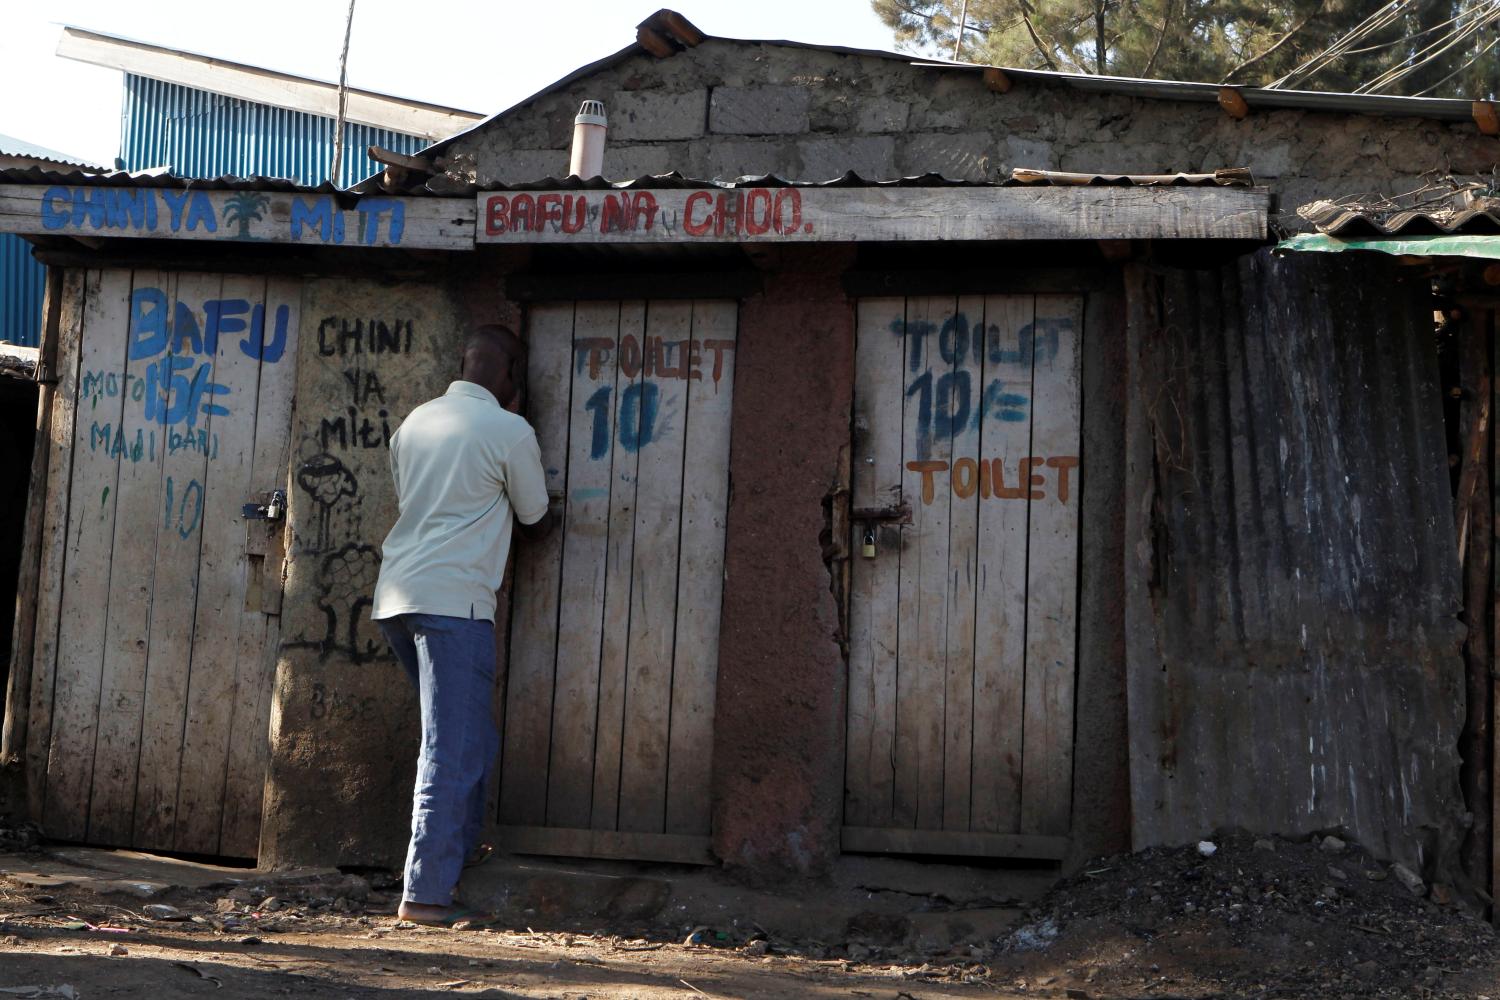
{"x":573,"y":843}
{"x":872,"y":840}
{"x":1473,"y":464}
{"x":680,"y":28}
{"x":997,"y":80}
{"x":1233,"y":102}
{"x":1487,"y":117}
{"x":654,"y":42}
{"x":883,"y":214}
{"x":98,"y":213}
{"x":973,"y":281}
{"x":589,"y":286}
{"x":391,"y":158}
{"x":23,"y":637}
{"x":262,"y":86}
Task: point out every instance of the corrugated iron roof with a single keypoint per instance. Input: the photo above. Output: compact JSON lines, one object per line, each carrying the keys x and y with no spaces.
{"x":443,"y":186}
{"x":1476,"y":217}
{"x":156,"y":179}
{"x":1233,"y":177}
{"x":11,"y":146}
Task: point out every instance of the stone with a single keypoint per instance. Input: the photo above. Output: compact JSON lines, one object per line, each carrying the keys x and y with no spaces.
{"x":966,"y":156}
{"x":859,"y":953}
{"x":119,"y":950}
{"x":521,"y":165}
{"x":1336,"y":872}
{"x":1441,"y":894}
{"x":1266,"y":845}
{"x":1020,"y":151}
{"x":626,"y":163}
{"x":1333,"y":845}
{"x":872,"y":157}
{"x":355,"y":888}
{"x":883,"y":114}
{"x":1207,"y":848}
{"x":758,"y":110}
{"x":140,"y":890}
{"x":161,"y":911}
{"x":758,"y":947}
{"x":271,"y":904}
{"x":224,"y":905}
{"x":653,"y":116}
{"x":1409,"y":878}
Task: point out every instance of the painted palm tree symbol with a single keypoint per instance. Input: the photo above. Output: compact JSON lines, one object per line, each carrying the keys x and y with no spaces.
{"x":243,"y":209}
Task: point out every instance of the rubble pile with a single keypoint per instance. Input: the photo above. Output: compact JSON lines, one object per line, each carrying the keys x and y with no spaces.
{"x":1241,"y":917}
{"x":17,"y":836}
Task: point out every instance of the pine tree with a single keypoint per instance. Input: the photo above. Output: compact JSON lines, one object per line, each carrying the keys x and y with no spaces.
{"x":1436,"y":47}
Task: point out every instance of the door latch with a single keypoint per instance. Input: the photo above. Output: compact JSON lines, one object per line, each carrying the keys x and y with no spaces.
{"x":273,"y":510}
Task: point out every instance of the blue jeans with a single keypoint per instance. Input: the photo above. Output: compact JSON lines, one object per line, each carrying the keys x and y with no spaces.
{"x":452,"y":663}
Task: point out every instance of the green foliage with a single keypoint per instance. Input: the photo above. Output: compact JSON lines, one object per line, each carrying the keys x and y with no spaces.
{"x":1447,"y":48}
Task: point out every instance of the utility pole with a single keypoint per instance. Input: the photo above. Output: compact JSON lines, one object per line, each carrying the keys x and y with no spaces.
{"x":338,"y":128}
{"x":958,"y":41}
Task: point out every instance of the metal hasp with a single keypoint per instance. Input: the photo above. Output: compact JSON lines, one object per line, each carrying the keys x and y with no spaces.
{"x":896,"y":514}
{"x":273,"y":510}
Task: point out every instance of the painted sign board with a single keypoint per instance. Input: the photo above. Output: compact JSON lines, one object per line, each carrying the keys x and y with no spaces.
{"x":821,"y":214}
{"x":711,"y":215}
{"x":321,"y":219}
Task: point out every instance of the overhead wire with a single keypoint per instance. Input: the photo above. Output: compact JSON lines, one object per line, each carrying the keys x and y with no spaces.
{"x":1483,"y":15}
{"x":1381,"y":18}
{"x":1474,"y":59}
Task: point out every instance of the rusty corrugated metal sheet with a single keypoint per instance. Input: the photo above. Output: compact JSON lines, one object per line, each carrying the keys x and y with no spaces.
{"x":446,"y":185}
{"x":1476,"y":217}
{"x":1292,"y":578}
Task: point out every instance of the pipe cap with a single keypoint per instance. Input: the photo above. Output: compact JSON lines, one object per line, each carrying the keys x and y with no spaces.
{"x":592,"y":113}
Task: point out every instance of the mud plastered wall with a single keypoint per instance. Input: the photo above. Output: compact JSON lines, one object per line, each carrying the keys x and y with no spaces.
{"x":344,"y":728}
{"x":727,"y":109}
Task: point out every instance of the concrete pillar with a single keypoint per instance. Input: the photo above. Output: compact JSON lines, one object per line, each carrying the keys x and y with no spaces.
{"x":779,"y":726}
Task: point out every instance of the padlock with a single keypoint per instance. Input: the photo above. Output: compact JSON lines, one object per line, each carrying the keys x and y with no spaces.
{"x":867,"y":549}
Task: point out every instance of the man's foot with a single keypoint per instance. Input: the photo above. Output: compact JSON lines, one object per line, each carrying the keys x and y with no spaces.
{"x":478,"y":855}
{"x":432,"y":915}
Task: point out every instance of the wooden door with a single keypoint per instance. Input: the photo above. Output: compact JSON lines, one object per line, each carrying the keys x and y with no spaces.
{"x":157,"y":611}
{"x":615,"y":628}
{"x":963,"y":613}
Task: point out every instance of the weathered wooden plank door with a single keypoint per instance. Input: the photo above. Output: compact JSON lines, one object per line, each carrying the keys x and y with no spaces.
{"x":158,"y":614}
{"x":963,"y":604}
{"x":615,"y":630}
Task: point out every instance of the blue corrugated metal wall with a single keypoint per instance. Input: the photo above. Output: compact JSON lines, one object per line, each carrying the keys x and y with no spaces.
{"x":199,"y":134}
{"x":21,"y":282}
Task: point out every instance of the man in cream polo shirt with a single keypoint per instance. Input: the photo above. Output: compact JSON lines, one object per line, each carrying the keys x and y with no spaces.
{"x":464,"y":465}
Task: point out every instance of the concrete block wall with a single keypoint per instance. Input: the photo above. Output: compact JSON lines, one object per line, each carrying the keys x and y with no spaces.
{"x":726,"y":109}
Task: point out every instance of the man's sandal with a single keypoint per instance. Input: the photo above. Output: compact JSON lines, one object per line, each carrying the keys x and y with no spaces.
{"x":454,"y":916}
{"x":478,"y":856}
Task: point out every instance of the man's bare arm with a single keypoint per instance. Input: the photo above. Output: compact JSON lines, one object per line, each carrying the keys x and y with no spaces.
{"x":539,"y":530}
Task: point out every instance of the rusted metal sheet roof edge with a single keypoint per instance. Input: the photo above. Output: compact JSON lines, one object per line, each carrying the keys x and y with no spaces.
{"x":1233,"y":177}
{"x":1480,"y":218}
{"x":157,"y":179}
{"x":446,"y":187}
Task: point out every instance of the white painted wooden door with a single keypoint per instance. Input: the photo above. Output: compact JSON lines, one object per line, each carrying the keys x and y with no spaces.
{"x":615,"y":629}
{"x":963,"y":607}
{"x":157,"y":613}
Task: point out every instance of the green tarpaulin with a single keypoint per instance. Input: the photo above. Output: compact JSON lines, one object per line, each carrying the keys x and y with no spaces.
{"x":1413,"y":246}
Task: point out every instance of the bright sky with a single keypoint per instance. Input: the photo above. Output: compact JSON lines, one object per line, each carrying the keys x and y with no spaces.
{"x":482,"y":55}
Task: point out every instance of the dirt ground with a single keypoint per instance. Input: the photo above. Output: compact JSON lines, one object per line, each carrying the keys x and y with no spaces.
{"x":1256,"y":919}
